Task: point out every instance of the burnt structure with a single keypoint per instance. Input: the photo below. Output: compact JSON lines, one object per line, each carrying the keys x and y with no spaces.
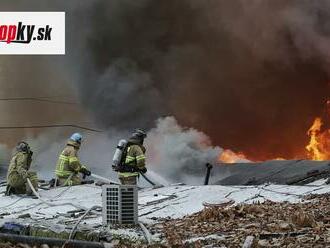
{"x":291,"y":172}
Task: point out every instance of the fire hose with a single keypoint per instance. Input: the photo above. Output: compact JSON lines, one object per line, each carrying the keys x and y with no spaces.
{"x":147,"y":179}
{"x":104,"y":179}
{"x":53,"y":204}
{"x":113,"y":182}
{"x":76,"y":225}
{"x":146,"y":232}
{"x":62,"y":204}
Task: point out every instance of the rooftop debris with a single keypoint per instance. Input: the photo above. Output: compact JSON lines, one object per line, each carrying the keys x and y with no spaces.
{"x":184,"y":216}
{"x":271,"y":224}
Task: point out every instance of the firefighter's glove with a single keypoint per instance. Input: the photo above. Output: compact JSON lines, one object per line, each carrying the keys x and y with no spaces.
{"x":85,"y":172}
{"x":143,"y":170}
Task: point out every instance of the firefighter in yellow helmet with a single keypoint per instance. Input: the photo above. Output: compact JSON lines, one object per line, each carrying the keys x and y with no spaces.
{"x":134,"y":160}
{"x":68,"y":165}
{"x":18,"y":171}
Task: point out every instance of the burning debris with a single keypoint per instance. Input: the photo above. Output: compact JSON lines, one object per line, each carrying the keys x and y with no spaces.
{"x":319,"y":145}
{"x":229,"y":157}
{"x":318,"y":148}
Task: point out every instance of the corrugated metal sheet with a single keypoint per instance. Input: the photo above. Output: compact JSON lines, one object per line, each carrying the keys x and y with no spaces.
{"x":275,"y":171}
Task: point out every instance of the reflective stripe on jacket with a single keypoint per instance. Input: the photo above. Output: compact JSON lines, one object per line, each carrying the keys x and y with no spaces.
{"x":68,"y":162}
{"x":135,"y":157}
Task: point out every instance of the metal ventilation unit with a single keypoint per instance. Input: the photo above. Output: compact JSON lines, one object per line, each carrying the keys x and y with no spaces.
{"x":119,"y":204}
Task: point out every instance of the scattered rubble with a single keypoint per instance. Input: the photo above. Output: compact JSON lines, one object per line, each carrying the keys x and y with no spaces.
{"x":268,"y":224}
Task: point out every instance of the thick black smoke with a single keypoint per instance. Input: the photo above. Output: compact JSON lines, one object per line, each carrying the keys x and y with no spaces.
{"x":251,"y":74}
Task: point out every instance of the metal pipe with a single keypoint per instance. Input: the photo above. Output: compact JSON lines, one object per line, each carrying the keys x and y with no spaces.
{"x":208,"y":172}
{"x":31,"y":240}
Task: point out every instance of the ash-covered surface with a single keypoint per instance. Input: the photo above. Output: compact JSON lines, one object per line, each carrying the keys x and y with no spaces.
{"x":275,"y":171}
{"x":156,"y":207}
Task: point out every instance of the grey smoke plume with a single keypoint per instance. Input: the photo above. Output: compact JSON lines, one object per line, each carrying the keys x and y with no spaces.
{"x":179,"y":154}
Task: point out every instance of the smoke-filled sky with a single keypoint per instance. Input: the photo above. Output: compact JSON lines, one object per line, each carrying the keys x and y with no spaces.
{"x":252,"y":75}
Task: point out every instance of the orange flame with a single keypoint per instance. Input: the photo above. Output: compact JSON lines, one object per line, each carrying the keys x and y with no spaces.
{"x":318,"y":148}
{"x":230,"y":157}
{"x":319,"y":143}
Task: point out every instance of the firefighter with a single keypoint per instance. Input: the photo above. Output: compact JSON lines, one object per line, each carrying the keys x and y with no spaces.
{"x":133,"y":161}
{"x":18,"y":171}
{"x":68,"y":165}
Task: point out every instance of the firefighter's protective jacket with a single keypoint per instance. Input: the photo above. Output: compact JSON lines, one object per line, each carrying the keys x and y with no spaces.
{"x":135,"y":158}
{"x":68,"y":164}
{"x":19,"y":166}
{"x":18,"y":172}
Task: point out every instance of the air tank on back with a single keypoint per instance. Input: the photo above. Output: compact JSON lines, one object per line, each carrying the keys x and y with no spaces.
{"x":119,"y":152}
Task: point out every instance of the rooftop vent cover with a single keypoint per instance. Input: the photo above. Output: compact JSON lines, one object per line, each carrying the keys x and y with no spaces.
{"x":120,"y":204}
